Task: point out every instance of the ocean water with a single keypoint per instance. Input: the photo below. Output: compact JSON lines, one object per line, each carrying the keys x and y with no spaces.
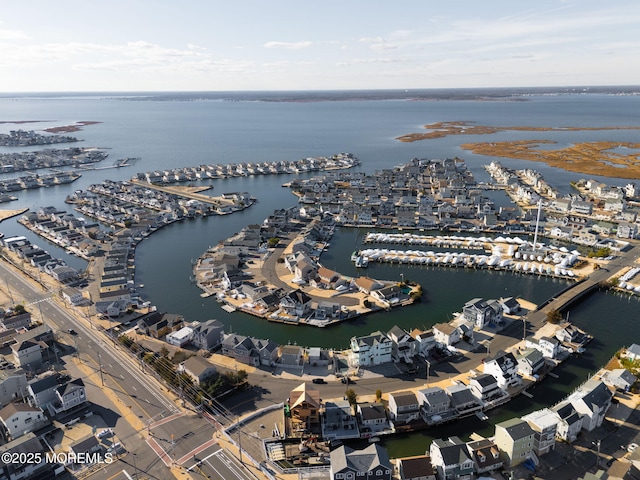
{"x":184,"y":130}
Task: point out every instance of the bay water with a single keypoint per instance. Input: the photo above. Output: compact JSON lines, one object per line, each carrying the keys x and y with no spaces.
{"x":171,"y":133}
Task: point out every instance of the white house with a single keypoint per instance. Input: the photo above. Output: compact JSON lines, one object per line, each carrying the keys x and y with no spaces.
{"x":70,"y":395}
{"x":181,"y":337}
{"x":504,"y":368}
{"x":545,"y":425}
{"x":21,"y":418}
{"x":425,"y":341}
{"x":198,"y":368}
{"x":403,"y":407}
{"x":446,"y":334}
{"x":28,"y":354}
{"x":592,"y":400}
{"x":569,"y":422}
{"x":370,"y":350}
{"x":548,"y":346}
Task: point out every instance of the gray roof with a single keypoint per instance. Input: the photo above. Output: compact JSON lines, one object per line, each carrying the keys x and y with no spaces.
{"x":41,"y":384}
{"x":404,"y":399}
{"x":486,"y":379}
{"x":454,"y":451}
{"x":359,"y":460}
{"x":516,"y":428}
{"x":596,"y":394}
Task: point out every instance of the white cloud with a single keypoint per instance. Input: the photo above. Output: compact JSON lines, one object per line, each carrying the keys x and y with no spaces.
{"x":12,"y":35}
{"x":288,"y":45}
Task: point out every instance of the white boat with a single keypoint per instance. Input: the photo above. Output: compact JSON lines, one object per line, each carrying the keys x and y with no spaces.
{"x":362,"y":262}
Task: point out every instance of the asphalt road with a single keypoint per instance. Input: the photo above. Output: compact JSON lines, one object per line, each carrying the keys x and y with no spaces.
{"x":136,"y":390}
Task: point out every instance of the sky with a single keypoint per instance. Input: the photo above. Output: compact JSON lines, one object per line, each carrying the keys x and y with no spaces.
{"x":222,"y":45}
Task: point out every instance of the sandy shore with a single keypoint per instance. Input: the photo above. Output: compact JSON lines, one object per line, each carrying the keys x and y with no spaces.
{"x":5,"y":214}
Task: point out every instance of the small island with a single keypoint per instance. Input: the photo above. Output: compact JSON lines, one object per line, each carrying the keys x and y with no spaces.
{"x":605,"y":159}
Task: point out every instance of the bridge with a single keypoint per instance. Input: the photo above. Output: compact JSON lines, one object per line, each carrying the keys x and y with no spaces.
{"x":584,"y":287}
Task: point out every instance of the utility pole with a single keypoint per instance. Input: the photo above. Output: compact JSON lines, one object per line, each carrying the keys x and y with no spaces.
{"x":9,"y":291}
{"x":100,"y":365}
{"x":597,"y":444}
{"x":428,"y":367}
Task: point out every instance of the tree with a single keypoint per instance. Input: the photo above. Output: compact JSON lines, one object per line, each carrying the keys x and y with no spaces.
{"x":352,"y":397}
{"x":19,"y":309}
{"x":554,"y":316}
{"x":378,"y":395}
{"x":273,"y":241}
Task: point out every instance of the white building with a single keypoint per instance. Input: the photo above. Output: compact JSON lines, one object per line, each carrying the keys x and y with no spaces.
{"x":21,"y":418}
{"x":180,"y":337}
{"x":370,"y":350}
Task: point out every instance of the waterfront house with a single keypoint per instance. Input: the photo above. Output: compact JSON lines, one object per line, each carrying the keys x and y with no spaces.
{"x":403,"y":345}
{"x":434,"y":403}
{"x":572,"y":334}
{"x":592,"y":400}
{"x":327,"y":275}
{"x":373,"y":417}
{"x":389,"y":295}
{"x":451,"y":459}
{"x":415,"y":468}
{"x":21,"y":418}
{"x":425,"y":341}
{"x":304,"y":405}
{"x":548,"y":346}
{"x":338,"y":421}
{"x":403,"y":407}
{"x":180,"y":337}
{"x":267,"y":351}
{"x":545,"y":426}
{"x":463,"y":400}
{"x":486,"y":455}
{"x":485,"y":388}
{"x":633,"y":352}
{"x":510,"y":305}
{"x":367,"y":285}
{"x":296,"y":303}
{"x":569,"y":422}
{"x":514,"y":438}
{"x":446,"y":334}
{"x":504,"y":367}
{"x":480,"y":312}
{"x":198,"y":368}
{"x":370,"y":350}
{"x":619,"y":378}
{"x":290,"y":355}
{"x":530,"y":361}
{"x":207,"y":335}
{"x":153,"y":324}
{"x":371,"y":463}
{"x":241,"y":348}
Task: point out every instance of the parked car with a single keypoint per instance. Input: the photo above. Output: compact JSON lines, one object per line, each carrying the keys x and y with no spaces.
{"x":632,"y":447}
{"x":72,"y":331}
{"x":318,"y":380}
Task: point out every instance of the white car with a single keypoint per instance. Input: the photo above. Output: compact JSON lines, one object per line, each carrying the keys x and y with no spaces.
{"x":632,"y":447}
